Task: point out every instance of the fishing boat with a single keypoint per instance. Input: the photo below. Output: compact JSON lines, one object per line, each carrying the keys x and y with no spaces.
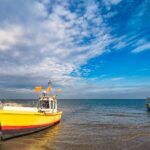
{"x":20,"y":120}
{"x":148,"y":104}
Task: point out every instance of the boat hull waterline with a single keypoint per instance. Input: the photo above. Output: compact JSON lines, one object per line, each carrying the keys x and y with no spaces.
{"x":17,"y":123}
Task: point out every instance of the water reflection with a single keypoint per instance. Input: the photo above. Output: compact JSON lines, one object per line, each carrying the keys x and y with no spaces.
{"x":41,"y":140}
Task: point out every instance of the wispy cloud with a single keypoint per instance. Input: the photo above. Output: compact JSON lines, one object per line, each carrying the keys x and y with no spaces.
{"x":10,"y":36}
{"x":142,"y":48}
{"x":117,"y":78}
{"x":110,"y":3}
{"x":52,"y":41}
{"x":47,"y":39}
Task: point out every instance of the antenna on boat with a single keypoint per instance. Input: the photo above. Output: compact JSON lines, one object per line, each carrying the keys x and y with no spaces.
{"x":49,"y":83}
{"x":49,"y":88}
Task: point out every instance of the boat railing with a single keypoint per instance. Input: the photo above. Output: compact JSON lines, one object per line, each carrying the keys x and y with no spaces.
{"x":1,"y":105}
{"x":4,"y":103}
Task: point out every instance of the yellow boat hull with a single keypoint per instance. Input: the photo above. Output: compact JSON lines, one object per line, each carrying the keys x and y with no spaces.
{"x":16,"y":123}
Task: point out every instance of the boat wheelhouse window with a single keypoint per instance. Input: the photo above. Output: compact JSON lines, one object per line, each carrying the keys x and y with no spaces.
{"x":44,"y":104}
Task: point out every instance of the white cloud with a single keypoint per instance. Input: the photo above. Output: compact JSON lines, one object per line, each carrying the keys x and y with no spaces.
{"x":117,"y":78}
{"x":109,"y":3}
{"x":132,"y":41}
{"x":141,"y":48}
{"x":9,"y":36}
{"x":115,"y":1}
{"x":47,"y":40}
{"x":105,"y":89}
{"x":110,"y":14}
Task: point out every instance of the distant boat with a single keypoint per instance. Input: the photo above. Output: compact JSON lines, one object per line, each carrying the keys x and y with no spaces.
{"x":148,"y":104}
{"x":19,"y":120}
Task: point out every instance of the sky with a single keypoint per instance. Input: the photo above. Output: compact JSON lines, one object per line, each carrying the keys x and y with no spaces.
{"x":91,"y":49}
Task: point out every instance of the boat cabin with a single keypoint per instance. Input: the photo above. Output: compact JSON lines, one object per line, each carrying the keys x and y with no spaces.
{"x":47,"y":103}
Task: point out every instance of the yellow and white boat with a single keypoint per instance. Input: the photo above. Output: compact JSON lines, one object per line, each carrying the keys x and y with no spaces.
{"x":16,"y":121}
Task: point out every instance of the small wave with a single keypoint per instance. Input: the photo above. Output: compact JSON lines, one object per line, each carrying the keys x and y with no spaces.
{"x":107,"y":125}
{"x":119,"y":115}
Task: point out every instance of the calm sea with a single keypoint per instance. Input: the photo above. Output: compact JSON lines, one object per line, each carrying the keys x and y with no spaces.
{"x":91,"y":125}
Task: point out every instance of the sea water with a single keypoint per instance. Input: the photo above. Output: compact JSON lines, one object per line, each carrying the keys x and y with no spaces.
{"x":91,"y":124}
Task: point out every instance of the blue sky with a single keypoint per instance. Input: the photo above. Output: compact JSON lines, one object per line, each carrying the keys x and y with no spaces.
{"x":89,"y":48}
